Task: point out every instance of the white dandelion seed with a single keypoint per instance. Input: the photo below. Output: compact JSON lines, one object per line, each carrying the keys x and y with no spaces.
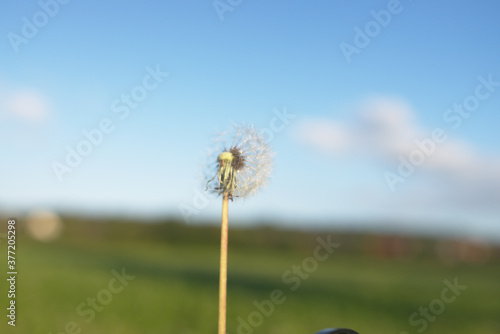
{"x":242,"y":167}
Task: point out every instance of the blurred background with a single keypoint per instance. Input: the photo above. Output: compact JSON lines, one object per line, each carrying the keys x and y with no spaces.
{"x":383,"y":116}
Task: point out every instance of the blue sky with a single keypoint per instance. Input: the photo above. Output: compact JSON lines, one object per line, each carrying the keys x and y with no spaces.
{"x":159,"y":79}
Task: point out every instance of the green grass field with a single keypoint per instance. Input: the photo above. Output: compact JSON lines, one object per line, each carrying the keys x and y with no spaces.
{"x":69,"y":287}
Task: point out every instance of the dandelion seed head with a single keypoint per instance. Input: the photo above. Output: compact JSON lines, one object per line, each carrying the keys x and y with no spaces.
{"x":243,"y":164}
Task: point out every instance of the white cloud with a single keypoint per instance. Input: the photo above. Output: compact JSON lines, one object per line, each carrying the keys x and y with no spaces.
{"x":325,"y":135}
{"x":25,"y":104}
{"x":454,"y":174}
{"x":383,"y":126}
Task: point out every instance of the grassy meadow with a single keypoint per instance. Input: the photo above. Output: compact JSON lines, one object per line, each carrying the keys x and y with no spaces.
{"x":163,"y":278}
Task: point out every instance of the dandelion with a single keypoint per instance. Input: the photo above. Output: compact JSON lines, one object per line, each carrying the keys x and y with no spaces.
{"x":240,"y":170}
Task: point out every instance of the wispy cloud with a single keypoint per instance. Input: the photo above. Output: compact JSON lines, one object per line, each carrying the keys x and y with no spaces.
{"x":382,"y":126}
{"x":326,"y":135}
{"x":451,"y":173}
{"x":24,"y":104}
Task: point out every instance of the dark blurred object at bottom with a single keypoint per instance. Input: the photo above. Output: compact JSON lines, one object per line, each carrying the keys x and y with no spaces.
{"x":337,"y":331}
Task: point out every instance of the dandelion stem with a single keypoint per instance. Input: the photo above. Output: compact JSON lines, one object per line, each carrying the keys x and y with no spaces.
{"x":223,"y":266}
